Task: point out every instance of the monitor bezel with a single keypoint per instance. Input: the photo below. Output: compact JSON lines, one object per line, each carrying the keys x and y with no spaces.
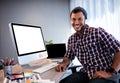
{"x":14,"y":37}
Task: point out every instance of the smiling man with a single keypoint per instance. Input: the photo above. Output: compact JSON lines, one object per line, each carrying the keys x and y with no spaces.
{"x":97,"y":50}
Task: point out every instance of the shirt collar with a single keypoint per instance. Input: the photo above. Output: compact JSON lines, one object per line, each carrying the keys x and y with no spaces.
{"x":85,"y":31}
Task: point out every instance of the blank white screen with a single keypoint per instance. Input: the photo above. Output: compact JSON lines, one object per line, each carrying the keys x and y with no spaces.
{"x":28,"y":39}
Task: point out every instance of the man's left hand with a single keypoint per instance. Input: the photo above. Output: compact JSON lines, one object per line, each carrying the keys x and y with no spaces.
{"x":102,"y":74}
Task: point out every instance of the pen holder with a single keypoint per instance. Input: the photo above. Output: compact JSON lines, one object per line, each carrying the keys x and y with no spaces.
{"x":1,"y":73}
{"x":8,"y":70}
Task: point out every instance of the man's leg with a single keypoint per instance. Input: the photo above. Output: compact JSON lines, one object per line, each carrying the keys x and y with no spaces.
{"x":77,"y":77}
{"x":100,"y":80}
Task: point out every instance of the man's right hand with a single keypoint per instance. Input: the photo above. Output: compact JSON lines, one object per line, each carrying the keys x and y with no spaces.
{"x":61,"y":67}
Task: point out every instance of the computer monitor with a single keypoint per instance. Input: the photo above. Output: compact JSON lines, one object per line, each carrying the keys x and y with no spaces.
{"x":29,"y":42}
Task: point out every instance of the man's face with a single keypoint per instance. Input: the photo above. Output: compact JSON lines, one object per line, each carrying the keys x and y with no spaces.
{"x":77,"y":20}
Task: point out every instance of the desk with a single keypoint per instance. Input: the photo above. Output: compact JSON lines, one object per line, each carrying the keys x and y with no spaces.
{"x":50,"y":74}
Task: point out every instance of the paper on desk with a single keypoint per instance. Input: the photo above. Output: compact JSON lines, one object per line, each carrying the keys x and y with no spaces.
{"x":39,"y":81}
{"x":5,"y":80}
{"x":29,"y":81}
{"x":17,"y":69}
{"x":46,"y":81}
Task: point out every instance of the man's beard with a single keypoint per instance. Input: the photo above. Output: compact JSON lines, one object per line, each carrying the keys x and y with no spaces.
{"x":78,"y":28}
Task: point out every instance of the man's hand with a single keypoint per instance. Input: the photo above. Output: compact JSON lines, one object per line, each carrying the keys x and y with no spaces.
{"x":61,"y":67}
{"x":102,"y":74}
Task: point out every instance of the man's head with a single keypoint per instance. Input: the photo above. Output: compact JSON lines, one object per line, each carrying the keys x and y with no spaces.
{"x":78,"y":17}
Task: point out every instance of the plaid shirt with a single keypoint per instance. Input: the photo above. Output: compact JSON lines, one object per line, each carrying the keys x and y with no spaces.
{"x":95,"y":49}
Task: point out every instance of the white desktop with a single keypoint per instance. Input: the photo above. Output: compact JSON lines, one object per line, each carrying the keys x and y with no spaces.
{"x":29,"y":43}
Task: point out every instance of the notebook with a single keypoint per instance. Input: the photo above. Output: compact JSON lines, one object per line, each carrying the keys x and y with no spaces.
{"x":56,"y":50}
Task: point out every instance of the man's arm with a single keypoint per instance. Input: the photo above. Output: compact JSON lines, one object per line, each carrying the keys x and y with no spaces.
{"x":116,"y":61}
{"x":66,"y":60}
{"x":115,"y":65}
{"x":63,"y":65}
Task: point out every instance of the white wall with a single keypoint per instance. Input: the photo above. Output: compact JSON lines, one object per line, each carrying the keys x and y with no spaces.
{"x":51,"y":15}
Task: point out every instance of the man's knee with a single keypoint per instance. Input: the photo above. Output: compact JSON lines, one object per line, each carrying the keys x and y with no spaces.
{"x":100,"y":80}
{"x":77,"y":77}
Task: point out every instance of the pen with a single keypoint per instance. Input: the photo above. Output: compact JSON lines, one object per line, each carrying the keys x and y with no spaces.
{"x":6,"y":61}
{"x":9,"y":62}
{"x":2,"y":62}
{"x":12,"y":61}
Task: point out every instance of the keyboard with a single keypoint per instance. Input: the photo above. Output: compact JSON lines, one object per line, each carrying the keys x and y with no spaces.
{"x":46,"y":67}
{"x":40,"y":62}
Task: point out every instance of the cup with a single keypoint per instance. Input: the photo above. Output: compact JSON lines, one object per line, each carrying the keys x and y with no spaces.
{"x":8,"y":70}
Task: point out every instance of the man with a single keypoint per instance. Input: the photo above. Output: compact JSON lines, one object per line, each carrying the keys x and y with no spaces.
{"x":97,"y":50}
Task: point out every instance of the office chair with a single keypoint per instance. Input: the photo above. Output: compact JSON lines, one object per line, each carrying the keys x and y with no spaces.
{"x":73,"y":69}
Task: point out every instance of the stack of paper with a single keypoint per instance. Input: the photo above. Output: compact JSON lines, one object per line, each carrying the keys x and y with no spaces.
{"x":28,"y":77}
{"x":39,"y":81}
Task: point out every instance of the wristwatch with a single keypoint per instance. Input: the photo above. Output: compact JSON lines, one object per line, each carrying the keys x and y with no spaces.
{"x":112,"y":70}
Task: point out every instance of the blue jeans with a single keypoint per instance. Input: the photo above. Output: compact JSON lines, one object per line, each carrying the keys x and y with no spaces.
{"x":80,"y":77}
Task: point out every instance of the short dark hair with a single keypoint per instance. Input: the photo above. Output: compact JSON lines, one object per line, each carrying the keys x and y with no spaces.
{"x":79,"y":9}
